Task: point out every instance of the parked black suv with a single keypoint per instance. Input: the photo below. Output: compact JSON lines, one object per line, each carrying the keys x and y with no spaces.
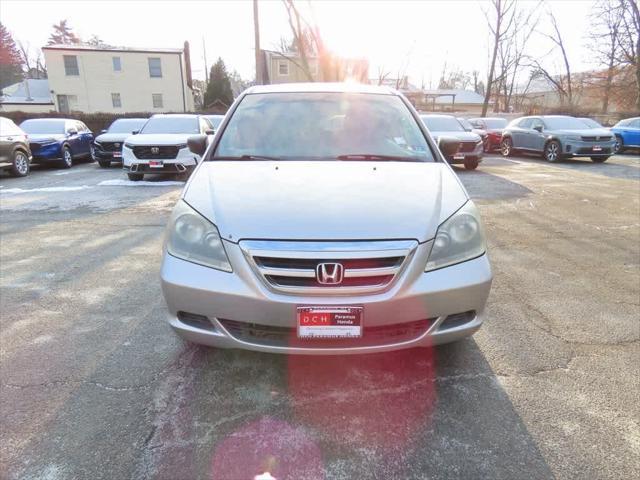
{"x":108,"y":145}
{"x":15,"y":154}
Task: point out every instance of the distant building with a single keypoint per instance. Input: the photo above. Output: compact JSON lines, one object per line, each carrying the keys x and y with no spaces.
{"x":441,"y":100}
{"x":91,"y":79}
{"x":287,"y":68}
{"x":32,"y":95}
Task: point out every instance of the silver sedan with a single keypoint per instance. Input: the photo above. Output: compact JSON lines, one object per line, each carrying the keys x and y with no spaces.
{"x":324,"y":220}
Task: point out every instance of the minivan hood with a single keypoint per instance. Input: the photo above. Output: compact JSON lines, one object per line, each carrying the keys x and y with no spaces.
{"x":159,"y":138}
{"x":45,"y":137}
{"x":325,"y":200}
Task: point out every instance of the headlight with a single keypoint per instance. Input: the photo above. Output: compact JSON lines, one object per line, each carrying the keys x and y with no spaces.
{"x":573,"y":138}
{"x":193,"y":238}
{"x":181,"y":146}
{"x":458,"y":239}
{"x":128,"y":145}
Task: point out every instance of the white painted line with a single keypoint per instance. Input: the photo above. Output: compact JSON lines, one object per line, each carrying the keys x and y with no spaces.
{"x":141,"y":183}
{"x":67,"y":172}
{"x":45,"y":189}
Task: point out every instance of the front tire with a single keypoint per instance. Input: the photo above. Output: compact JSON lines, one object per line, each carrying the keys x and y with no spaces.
{"x":471,"y":163}
{"x":104,"y":163}
{"x":599,"y":159}
{"x":618,"y":147}
{"x":21,"y":165}
{"x":67,"y":157}
{"x":552,"y":151}
{"x":135,"y":177}
{"x":506,"y":147}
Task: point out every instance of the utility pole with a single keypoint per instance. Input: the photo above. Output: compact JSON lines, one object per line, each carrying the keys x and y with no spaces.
{"x":256,"y":33}
{"x":206,"y":69}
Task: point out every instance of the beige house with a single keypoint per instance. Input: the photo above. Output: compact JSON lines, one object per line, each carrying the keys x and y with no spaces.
{"x":287,"y":68}
{"x":108,"y":79}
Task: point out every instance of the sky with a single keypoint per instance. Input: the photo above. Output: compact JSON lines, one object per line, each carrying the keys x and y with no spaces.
{"x":418,"y":36}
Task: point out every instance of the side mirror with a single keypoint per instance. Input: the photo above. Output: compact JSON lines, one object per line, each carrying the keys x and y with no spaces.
{"x":135,"y":132}
{"x":197,"y":144}
{"x":538,"y":128}
{"x":209,"y":131}
{"x":72,"y":131}
{"x":103,"y":131}
{"x":448,"y":146}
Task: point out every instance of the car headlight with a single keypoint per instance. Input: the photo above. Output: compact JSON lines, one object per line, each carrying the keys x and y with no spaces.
{"x":128,"y":145}
{"x":193,"y":238}
{"x":573,"y":138}
{"x":181,"y":146}
{"x":458,"y":239}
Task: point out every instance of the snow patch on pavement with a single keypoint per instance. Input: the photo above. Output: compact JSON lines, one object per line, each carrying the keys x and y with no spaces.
{"x":142,"y":183}
{"x":44,"y":189}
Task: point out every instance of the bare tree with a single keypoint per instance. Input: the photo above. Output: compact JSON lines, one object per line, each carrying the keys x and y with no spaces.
{"x":512,"y":53}
{"x":606,"y":20}
{"x":500,"y":26}
{"x":33,"y":63}
{"x":629,"y":39}
{"x":562,"y":84}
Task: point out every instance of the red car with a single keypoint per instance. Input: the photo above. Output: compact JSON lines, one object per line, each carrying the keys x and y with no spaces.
{"x":493,"y":128}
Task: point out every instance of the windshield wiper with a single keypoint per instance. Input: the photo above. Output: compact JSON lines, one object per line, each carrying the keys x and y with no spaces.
{"x":247,"y":157}
{"x":373,"y":156}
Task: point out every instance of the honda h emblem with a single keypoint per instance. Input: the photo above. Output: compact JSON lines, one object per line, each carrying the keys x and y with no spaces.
{"x":155,"y":150}
{"x":329,"y":273}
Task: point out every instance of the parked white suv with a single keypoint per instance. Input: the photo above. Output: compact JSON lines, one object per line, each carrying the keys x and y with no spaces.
{"x":161,"y":145}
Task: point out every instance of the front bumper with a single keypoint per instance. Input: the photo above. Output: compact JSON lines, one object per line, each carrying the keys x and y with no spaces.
{"x":579,"y":148}
{"x":183,"y":161}
{"x":241,"y":298}
{"x":460,"y":157}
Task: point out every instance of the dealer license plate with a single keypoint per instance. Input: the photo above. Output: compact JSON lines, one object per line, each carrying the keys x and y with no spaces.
{"x":597,"y":148}
{"x":330,"y":322}
{"x":153,"y":164}
{"x":458,"y":157}
{"x":117,"y":154}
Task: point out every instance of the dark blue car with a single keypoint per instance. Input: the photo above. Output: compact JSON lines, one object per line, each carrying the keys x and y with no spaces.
{"x":627,"y":134}
{"x":60,"y":140}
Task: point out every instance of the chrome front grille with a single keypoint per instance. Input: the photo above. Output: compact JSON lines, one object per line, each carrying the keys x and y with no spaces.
{"x":294,"y":267}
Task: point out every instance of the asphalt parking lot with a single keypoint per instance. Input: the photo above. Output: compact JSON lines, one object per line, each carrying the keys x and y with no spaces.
{"x":95,"y":385}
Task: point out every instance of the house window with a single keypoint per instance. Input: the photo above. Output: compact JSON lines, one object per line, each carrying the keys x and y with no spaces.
{"x":155,"y":68}
{"x":283,"y":68}
{"x":115,"y":100}
{"x":117,"y":65}
{"x":71,"y":65}
{"x":157,"y":100}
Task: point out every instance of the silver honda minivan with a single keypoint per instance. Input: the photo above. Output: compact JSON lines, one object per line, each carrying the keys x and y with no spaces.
{"x":324,"y":219}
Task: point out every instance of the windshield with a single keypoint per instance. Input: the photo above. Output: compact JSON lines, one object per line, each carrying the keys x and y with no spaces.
{"x":495,"y":122}
{"x":43,"y":126}
{"x":215,"y":120}
{"x":465,"y":124}
{"x":126,"y":125}
{"x":171,"y":125}
{"x":322,"y":125}
{"x":563,"y":123}
{"x":442,"y":124}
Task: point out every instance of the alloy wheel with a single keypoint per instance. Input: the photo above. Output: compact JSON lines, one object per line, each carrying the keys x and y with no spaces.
{"x":552,"y":152}
{"x":21,"y":163}
{"x":68,"y":158}
{"x":92,"y":153}
{"x":506,"y":147}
